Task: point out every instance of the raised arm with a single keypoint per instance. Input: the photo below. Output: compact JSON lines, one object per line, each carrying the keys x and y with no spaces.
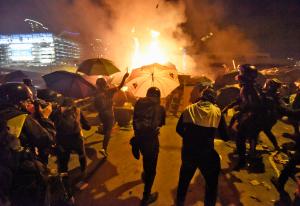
{"x":123,"y":80}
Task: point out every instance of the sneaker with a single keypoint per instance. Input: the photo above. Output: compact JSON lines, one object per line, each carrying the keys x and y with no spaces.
{"x":103,"y":152}
{"x":150,"y":199}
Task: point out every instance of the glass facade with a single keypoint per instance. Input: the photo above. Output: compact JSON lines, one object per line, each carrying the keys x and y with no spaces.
{"x":37,"y":49}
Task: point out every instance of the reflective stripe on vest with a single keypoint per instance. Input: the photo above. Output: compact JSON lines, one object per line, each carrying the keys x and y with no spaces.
{"x":203,"y":114}
{"x":16,"y":124}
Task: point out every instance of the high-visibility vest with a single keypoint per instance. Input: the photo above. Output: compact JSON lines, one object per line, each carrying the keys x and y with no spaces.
{"x":202,"y":113}
{"x":16,"y":124}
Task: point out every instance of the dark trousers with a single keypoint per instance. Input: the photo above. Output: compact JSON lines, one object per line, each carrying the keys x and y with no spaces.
{"x":75,"y":144}
{"x":249,"y":126}
{"x":271,"y":137}
{"x":241,"y":142}
{"x":209,"y":165}
{"x":149,"y":147}
{"x":288,"y":170}
{"x":107,"y":120}
{"x":149,"y":166}
{"x":253,"y":137}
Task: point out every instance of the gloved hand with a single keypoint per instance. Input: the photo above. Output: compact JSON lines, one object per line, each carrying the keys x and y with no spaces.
{"x":135,"y":148}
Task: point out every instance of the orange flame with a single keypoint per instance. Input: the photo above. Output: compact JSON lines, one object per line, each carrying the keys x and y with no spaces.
{"x":153,"y":52}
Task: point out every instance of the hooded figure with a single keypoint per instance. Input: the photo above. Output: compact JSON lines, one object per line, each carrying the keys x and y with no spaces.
{"x":148,"y":117}
{"x":197,"y":126}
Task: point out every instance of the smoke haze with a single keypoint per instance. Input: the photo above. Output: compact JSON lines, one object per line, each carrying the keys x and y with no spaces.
{"x":196,"y":25}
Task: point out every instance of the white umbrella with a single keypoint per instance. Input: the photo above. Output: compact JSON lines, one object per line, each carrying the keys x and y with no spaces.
{"x":155,"y":75}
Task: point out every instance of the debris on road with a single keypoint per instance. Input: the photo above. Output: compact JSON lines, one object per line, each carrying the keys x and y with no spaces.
{"x":255,"y":198}
{"x":254,"y":182}
{"x":266,"y":185}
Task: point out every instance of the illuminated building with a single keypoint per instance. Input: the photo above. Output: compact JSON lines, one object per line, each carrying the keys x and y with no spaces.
{"x":36,"y":50}
{"x":35,"y":25}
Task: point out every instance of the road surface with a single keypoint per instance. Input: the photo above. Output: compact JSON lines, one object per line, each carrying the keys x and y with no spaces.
{"x":117,"y":182}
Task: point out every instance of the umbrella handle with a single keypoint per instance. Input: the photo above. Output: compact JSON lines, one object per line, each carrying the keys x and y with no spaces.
{"x":152,"y":76}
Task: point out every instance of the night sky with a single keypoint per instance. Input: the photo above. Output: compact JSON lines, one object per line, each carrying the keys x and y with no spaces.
{"x":274,"y":25}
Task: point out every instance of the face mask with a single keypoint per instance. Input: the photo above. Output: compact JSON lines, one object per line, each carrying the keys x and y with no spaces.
{"x":30,"y":108}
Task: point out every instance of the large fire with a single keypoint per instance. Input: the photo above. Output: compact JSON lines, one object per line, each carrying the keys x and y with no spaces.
{"x":152,"y":52}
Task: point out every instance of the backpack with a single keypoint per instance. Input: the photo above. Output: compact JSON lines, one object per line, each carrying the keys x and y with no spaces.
{"x":68,"y":121}
{"x":146,"y":117}
{"x":29,"y":181}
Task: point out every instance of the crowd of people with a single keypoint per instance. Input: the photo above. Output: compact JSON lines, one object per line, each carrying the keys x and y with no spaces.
{"x":257,"y":110}
{"x":31,"y":129}
{"x":33,"y":126}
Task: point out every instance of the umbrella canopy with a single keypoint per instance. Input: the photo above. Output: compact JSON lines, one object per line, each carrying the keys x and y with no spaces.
{"x":163,"y":77}
{"x":93,"y":79}
{"x":49,"y":95}
{"x":15,"y":76}
{"x":69,"y":84}
{"x":229,"y":79}
{"x":227,"y":95}
{"x":116,"y":78}
{"x":98,"y":66}
{"x":291,"y":76}
{"x":286,"y":74}
{"x":226,"y":79}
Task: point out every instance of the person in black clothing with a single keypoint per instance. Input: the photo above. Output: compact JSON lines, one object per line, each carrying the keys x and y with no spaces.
{"x":148,"y":117}
{"x":22,"y":176}
{"x":104,"y":106}
{"x":249,"y":113}
{"x":274,"y":108}
{"x":26,"y":184}
{"x":290,"y":167}
{"x":7,"y":162}
{"x":287,"y":171}
{"x":197,"y":126}
{"x":69,"y":120}
{"x":16,"y":99}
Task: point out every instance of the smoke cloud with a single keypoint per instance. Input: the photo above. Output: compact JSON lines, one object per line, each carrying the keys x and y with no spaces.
{"x":192,"y":32}
{"x":215,"y":41}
